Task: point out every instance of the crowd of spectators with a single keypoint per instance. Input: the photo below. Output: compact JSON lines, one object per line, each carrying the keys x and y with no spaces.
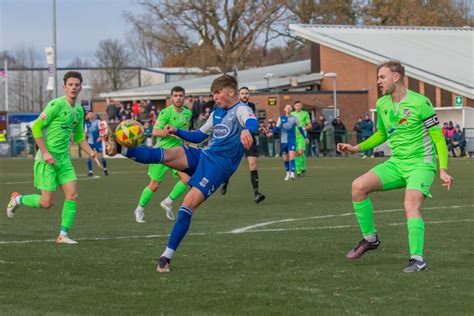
{"x":323,"y":136}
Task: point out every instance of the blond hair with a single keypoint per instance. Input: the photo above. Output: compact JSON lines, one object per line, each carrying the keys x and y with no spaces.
{"x":393,"y":66}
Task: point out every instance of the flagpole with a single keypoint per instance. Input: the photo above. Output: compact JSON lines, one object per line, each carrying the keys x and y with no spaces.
{"x":6,"y":83}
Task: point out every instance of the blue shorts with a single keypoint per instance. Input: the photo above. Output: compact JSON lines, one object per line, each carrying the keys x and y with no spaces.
{"x":287,"y":147}
{"x":206,"y":175}
{"x":97,"y":146}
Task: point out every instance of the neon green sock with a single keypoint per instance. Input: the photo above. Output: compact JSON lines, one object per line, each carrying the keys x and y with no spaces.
{"x":69,"y":212}
{"x":364,"y":211}
{"x":31,"y":200}
{"x":146,"y":196}
{"x":416,"y":236}
{"x":178,"y":189}
{"x":303,"y":161}
{"x":298,"y":164}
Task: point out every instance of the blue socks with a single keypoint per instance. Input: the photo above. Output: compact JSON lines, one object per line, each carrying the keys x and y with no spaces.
{"x":287,"y":165}
{"x":145,"y":155}
{"x":180,"y":228}
{"x":104,"y":163}
{"x":89,"y":165}
{"x":292,"y":165}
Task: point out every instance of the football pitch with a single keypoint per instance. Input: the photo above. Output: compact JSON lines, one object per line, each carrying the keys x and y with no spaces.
{"x":283,"y":256}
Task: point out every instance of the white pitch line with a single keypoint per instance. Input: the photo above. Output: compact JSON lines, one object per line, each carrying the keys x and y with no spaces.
{"x":9,"y":242}
{"x":247,"y":228}
{"x":348,"y":226}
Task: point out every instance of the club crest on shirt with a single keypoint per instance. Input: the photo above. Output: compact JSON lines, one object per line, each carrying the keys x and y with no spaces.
{"x":43,"y":116}
{"x":204,"y":182}
{"x":406,"y":113}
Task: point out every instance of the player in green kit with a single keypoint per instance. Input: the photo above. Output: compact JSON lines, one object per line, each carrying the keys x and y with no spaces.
{"x":62,"y":118}
{"x":301,"y":141}
{"x":408,"y":120}
{"x":179,"y":116}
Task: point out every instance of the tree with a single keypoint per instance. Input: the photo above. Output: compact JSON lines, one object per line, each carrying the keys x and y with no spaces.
{"x":114,"y":58}
{"x":417,"y":13}
{"x":212,"y":32}
{"x":77,"y":62}
{"x":27,"y":86}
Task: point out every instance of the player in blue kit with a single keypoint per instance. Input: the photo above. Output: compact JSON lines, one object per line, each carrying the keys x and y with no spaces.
{"x":94,"y":140}
{"x":287,"y":124}
{"x":231,"y":125}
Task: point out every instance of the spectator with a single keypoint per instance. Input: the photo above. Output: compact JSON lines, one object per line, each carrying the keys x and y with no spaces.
{"x":367,"y":128}
{"x":135,"y":108}
{"x":153,"y":114}
{"x":458,"y":141}
{"x":149,"y":106}
{"x":339,"y":132}
{"x":200,"y":122}
{"x":323,"y":139}
{"x":112,"y":112}
{"x":358,"y":131}
{"x":142,"y":114}
{"x":210,"y":103}
{"x":445,"y":131}
{"x":148,"y":131}
{"x":314,"y":136}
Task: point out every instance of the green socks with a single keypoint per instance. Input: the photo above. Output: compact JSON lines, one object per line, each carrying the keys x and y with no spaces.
{"x":303,"y":161}
{"x":69,"y":212}
{"x":178,"y":189}
{"x":364,"y":211}
{"x":298,"y":164}
{"x":146,"y":196}
{"x":416,"y":235}
{"x":31,"y":200}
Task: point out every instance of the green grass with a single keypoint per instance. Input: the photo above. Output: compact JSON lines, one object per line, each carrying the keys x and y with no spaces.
{"x":293,"y":267}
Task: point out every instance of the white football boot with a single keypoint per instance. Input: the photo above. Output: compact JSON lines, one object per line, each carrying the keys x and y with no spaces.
{"x":167,"y":205}
{"x":139,"y":214}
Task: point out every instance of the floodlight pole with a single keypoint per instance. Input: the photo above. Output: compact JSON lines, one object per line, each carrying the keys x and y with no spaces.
{"x":335,"y":102}
{"x":55,"y":75}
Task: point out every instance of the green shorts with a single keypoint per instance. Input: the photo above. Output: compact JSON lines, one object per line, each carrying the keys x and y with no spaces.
{"x":300,"y":143}
{"x":48,"y":177}
{"x":412,"y":176}
{"x":157,"y":172}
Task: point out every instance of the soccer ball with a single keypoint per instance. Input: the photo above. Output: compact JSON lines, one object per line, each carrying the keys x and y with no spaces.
{"x":129,"y":133}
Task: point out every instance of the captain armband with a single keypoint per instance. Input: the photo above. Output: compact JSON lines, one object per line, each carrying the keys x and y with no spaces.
{"x":431,"y":121}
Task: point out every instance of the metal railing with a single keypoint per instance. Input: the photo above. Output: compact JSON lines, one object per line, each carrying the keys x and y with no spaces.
{"x":322,"y":146}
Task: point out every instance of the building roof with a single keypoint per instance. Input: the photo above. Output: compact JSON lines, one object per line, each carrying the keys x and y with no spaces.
{"x":437,"y":55}
{"x":282,"y":75}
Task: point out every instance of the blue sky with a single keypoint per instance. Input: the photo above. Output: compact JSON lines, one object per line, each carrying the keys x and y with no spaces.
{"x":81,"y":25}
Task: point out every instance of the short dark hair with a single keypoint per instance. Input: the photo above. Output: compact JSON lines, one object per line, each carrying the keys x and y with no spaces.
{"x":224,"y":81}
{"x":298,"y":101}
{"x":72,"y":74}
{"x":178,"y":89}
{"x":244,"y":88}
{"x":394,"y":66}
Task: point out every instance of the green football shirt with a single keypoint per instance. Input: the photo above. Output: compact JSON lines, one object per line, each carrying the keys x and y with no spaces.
{"x":304,"y":119}
{"x":179,"y":120}
{"x":406,"y":125}
{"x":59,"y":122}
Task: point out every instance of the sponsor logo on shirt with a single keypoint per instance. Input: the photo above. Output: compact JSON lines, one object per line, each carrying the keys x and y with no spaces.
{"x":221,"y":131}
{"x":287,"y":125}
